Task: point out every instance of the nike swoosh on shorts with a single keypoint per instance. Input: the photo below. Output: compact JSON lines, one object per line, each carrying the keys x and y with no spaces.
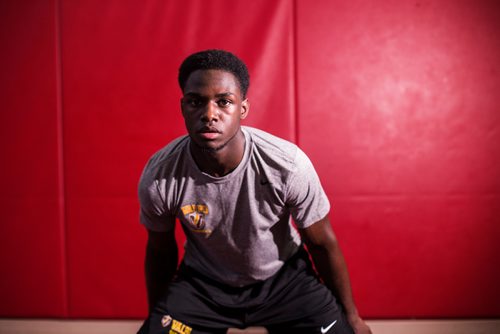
{"x":326,"y":329}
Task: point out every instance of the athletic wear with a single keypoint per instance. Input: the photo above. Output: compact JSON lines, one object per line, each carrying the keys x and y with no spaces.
{"x":237,"y":227}
{"x":244,"y":264}
{"x":291,"y":301}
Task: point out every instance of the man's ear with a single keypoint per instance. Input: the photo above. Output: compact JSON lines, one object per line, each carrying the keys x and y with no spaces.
{"x":181,"y":101}
{"x":245,"y":107}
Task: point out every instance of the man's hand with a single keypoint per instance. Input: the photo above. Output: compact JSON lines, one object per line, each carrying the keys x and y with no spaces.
{"x":358,"y":325}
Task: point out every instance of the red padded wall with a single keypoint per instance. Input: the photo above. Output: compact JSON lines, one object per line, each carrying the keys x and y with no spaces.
{"x":31,"y":234}
{"x":399,"y":110}
{"x":395,"y":102}
{"x":121,"y":103}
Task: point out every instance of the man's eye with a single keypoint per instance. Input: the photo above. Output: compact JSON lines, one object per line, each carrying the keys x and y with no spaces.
{"x":224,"y":103}
{"x":194,"y":103}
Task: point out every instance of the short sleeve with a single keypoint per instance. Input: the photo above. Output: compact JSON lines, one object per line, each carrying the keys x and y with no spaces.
{"x":305,"y":196}
{"x":152,"y":211}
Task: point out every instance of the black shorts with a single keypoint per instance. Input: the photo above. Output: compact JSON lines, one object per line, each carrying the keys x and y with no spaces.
{"x":291,"y":301}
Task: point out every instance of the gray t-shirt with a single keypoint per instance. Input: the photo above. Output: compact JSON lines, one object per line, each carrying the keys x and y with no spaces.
{"x":238,"y":228}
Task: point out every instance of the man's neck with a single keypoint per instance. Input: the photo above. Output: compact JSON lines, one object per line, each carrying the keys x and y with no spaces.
{"x":220,"y":162}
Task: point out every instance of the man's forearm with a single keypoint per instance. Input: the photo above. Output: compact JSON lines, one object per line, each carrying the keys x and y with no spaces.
{"x":159,"y":268}
{"x":330,"y":264}
{"x":332,"y":268}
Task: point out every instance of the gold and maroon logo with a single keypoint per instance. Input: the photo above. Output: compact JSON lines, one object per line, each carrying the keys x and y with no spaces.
{"x":196,"y":215}
{"x":177,"y":326}
{"x":166,"y":320}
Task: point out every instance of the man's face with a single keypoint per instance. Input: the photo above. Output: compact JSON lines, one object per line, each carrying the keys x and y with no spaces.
{"x":212,"y":107}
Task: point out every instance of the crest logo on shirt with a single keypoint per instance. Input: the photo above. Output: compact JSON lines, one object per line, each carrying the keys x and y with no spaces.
{"x":196,"y":215}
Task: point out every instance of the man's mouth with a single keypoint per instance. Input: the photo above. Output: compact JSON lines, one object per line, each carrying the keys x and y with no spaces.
{"x":209,"y":132}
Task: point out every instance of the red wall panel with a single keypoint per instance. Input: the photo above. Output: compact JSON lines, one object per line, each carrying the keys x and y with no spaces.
{"x":399,"y":109}
{"x":31,"y":234}
{"x":121,"y":103}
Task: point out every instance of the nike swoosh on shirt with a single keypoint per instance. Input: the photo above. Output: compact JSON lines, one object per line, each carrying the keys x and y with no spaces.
{"x":324,"y":330}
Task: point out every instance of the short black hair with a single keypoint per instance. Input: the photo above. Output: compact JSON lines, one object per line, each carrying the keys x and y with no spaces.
{"x":215,"y":60}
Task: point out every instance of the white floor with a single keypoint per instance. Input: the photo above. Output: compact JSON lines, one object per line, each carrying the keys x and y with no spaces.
{"x":28,"y":326}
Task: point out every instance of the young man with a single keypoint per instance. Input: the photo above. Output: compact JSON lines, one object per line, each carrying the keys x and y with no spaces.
{"x":234,"y":189}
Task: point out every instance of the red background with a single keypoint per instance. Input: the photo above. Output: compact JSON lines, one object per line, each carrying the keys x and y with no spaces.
{"x":396,"y":102}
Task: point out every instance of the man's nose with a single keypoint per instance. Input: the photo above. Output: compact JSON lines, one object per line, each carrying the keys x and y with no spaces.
{"x":211,"y":112}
